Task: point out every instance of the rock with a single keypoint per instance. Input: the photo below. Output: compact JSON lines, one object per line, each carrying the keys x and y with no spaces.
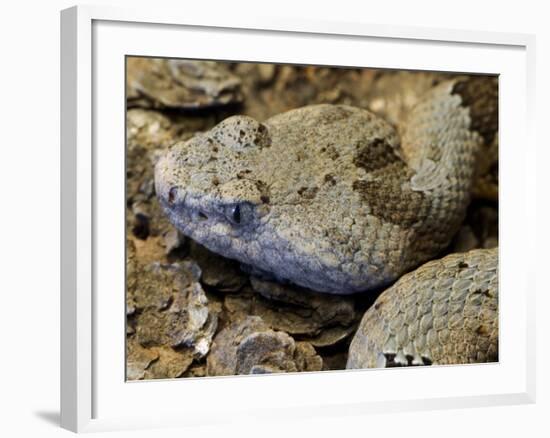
{"x":149,"y":251}
{"x":319,"y":319}
{"x":218,"y":272}
{"x":321,"y":308}
{"x":170,"y":321}
{"x":465,"y":240}
{"x":174,"y":242}
{"x":137,"y":360}
{"x":490,"y":242}
{"x":480,"y":228}
{"x":271,"y":89}
{"x":131,"y":279}
{"x":250,"y":347}
{"x":148,"y":129}
{"x":180,"y":83}
{"x":173,"y":309}
{"x":140,"y":227}
{"x":196,"y":370}
{"x":393,"y":94}
{"x":265,"y":352}
{"x":334,"y":360}
{"x":331,"y":335}
{"x":484,"y":219}
{"x":170,"y":364}
{"x":486,"y":184}
{"x":306,"y":357}
{"x":156,"y":362}
{"x":152,"y":130}
{"x":266,"y":72}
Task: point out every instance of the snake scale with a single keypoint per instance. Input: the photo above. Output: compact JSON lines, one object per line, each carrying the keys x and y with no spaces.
{"x":335,"y":199}
{"x":444,"y":312}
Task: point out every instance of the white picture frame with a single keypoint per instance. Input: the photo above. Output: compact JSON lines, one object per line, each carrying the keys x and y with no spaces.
{"x":94,"y":41}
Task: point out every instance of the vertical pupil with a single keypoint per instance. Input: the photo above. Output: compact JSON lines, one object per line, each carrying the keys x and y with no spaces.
{"x":237,"y":214}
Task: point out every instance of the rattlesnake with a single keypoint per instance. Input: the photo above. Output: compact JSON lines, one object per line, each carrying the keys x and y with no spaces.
{"x":331,"y":197}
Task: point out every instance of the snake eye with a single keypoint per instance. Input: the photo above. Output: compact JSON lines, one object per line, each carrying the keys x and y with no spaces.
{"x":239,"y":214}
{"x":236,"y":215}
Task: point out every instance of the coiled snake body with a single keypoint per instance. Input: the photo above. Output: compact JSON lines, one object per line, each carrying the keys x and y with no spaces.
{"x":445,"y":312}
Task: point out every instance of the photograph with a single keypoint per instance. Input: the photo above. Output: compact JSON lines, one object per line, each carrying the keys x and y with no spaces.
{"x":285,"y":218}
{"x":235,"y":219}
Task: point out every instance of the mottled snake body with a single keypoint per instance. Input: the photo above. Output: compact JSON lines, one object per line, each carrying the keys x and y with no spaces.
{"x":445,"y":312}
{"x":330,"y":197}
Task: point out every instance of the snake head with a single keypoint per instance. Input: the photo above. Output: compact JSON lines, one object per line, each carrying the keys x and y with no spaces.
{"x":207,"y":184}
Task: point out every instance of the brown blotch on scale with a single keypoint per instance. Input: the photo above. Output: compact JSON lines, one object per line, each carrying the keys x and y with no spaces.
{"x":332,"y":153}
{"x":242,"y":173}
{"x":330,"y":179}
{"x":374,"y":155}
{"x":308,"y":192}
{"x":391,"y":200}
{"x":262,"y":137}
{"x":261,"y":186}
{"x":485,"y":293}
{"x":480,"y":95}
{"x":331,"y":115}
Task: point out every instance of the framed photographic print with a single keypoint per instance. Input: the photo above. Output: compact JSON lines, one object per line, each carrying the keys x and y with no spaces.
{"x":334,"y":218}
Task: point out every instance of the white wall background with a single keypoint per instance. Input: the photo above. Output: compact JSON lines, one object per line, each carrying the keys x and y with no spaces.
{"x":29,"y":216}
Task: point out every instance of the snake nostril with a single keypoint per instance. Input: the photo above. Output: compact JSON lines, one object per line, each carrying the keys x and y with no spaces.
{"x":172,"y":195}
{"x":202,"y":216}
